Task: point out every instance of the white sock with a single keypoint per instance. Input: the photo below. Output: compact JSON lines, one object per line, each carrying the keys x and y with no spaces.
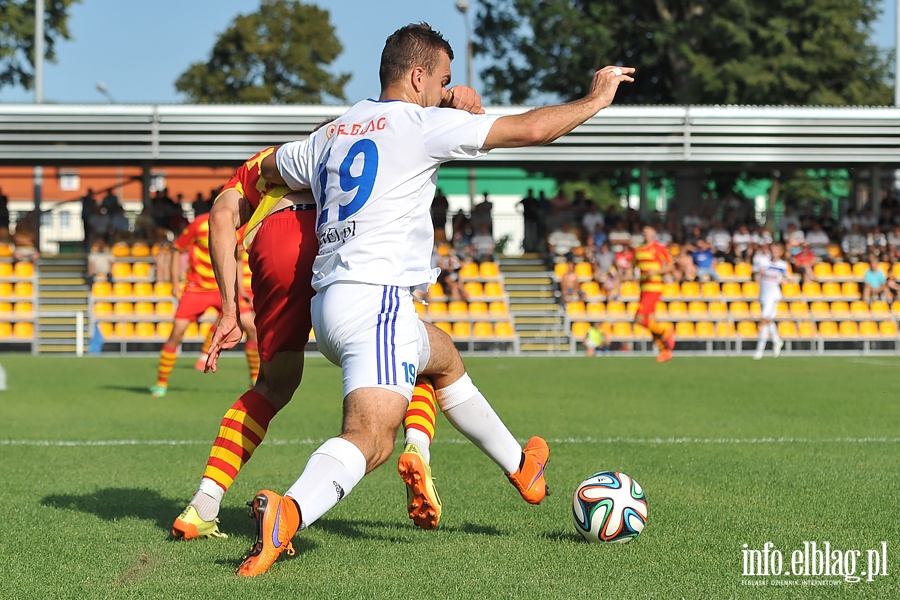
{"x":471,"y":414}
{"x":773,"y":330}
{"x":331,"y":473}
{"x":208,"y":499}
{"x":763,"y":338}
{"x":420,"y":439}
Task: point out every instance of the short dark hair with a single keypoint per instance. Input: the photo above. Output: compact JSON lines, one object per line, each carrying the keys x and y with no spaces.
{"x":414,"y":45}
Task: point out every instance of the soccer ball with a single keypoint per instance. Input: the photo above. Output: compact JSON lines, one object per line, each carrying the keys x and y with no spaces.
{"x":609,"y":507}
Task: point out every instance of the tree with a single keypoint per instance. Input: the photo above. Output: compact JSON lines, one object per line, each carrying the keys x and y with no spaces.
{"x":276,"y":55}
{"x":17,"y":28}
{"x":789,"y":52}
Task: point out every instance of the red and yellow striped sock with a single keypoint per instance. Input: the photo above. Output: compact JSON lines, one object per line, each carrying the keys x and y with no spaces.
{"x":418,"y":424}
{"x":251,"y":349}
{"x":204,"y":349}
{"x":167,"y":357}
{"x":243,"y":428}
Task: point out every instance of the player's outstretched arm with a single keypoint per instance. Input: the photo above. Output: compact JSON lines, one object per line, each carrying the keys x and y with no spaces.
{"x":463,"y":98}
{"x":543,"y":125}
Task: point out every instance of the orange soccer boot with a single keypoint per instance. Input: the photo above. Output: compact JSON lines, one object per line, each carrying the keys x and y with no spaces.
{"x":529,"y":479}
{"x":277,"y":520}
{"x":424,"y":504}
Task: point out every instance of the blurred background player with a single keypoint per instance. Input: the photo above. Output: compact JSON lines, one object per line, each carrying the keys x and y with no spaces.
{"x":772,"y":273}
{"x":595,"y":340}
{"x":653,"y":261}
{"x":280,"y":244}
{"x":199,"y":294}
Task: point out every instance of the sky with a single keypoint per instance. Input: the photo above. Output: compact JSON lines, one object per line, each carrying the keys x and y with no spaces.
{"x":137,"y":49}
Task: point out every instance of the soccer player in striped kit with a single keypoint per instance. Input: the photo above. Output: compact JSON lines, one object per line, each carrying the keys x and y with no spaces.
{"x":653,"y":261}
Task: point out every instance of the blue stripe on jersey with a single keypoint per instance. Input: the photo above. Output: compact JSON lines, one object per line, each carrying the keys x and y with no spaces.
{"x":385,"y":333}
{"x":396,"y":300}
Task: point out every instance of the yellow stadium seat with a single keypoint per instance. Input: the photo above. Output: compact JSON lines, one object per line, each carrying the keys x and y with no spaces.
{"x":473,"y":289}
{"x":849,"y":329}
{"x":822,"y":271}
{"x":880,"y":308}
{"x":750,"y":289}
{"x":6,"y":249}
{"x":504,"y":329}
{"x":120,"y":250}
{"x":143,"y":289}
{"x":560,"y":269}
{"x":165,"y":309}
{"x":747,"y":329}
{"x":435,"y":291}
{"x":718,"y":309}
{"x":697,"y":308}
{"x":125,"y":329}
{"x":705,"y":329}
{"x":143,"y":309}
{"x":842,"y":270}
{"x":6,"y":308}
{"x":164,"y":329}
{"x":799,"y":308}
{"x":493,"y":289}
{"x":732,"y":289}
{"x":498,"y":309}
{"x":690,"y":289}
{"x":630,"y":289}
{"x":743,"y":271}
{"x":462,"y":330}
{"x":483,"y":329}
{"x":163,"y":288}
{"x":888,"y":328}
{"x":831,"y":289}
{"x":622,"y":329}
{"x":101,"y":289}
{"x":123,"y":309}
{"x":868,"y":329}
{"x":685,"y":329}
{"x":6,"y":330}
{"x":677,"y":308}
{"x":858,"y":308}
{"x":468,"y":270}
{"x":596,"y":310}
{"x":6,"y":289}
{"x":478,"y":309}
{"x":755,"y":309}
{"x":895,"y":307}
{"x":859,"y":270}
{"x":103,"y":309}
{"x":140,"y":270}
{"x":782,"y":309}
{"x":580,"y":329}
{"x":437,"y":309}
{"x":575,"y":309}
{"x":671,"y":289}
{"x":121,"y":270}
{"x":811,"y":289}
{"x":23,"y":330}
{"x":591,"y":289}
{"x":850,"y":289}
{"x":6,"y":269}
{"x":787,"y":329}
{"x":122,"y":289}
{"x":203,"y":328}
{"x":725,"y":270}
{"x":710,"y":289}
{"x":489,"y":270}
{"x":662,"y":309}
{"x":615,"y":309}
{"x":790,"y":290}
{"x":820,"y":309}
{"x":840,"y":308}
{"x":23,"y":289}
{"x":895,"y":270}
{"x":632,"y":307}
{"x":828,"y":329}
{"x":457,"y":308}
{"x":421,"y":309}
{"x":724,"y":330}
{"x":584,"y":270}
{"x":192,"y":331}
{"x":23,"y":269}
{"x":23,"y":309}
{"x":140,"y":250}
{"x":806,"y":329}
{"x":145,"y":329}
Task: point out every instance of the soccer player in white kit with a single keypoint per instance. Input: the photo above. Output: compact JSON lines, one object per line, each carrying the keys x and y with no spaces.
{"x":373,"y":172}
{"x":772,"y":273}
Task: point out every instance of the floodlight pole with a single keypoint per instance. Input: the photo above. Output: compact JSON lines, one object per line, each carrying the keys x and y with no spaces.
{"x":38,"y":99}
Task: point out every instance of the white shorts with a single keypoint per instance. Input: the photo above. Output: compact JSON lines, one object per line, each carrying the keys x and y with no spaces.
{"x":768,"y":306}
{"x":373,"y":333}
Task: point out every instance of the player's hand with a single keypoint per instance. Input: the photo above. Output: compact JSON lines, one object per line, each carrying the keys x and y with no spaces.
{"x":606,"y":82}
{"x":227,"y":334}
{"x":463,"y":98}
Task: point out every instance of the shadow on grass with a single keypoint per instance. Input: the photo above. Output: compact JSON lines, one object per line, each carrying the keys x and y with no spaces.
{"x":562,"y":536}
{"x":112,"y":504}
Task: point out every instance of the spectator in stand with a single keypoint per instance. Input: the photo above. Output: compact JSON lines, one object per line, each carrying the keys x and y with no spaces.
{"x":569,"y":285}
{"x":693,"y":235}
{"x":119,"y":227}
{"x":691,"y":220}
{"x":110,"y":202}
{"x":462,"y":246}
{"x":720,"y":241}
{"x":439,"y":208}
{"x":793,"y":236}
{"x":591,"y":218}
{"x":88,"y":208}
{"x":483,"y":244}
{"x":868,"y":220}
{"x":663,"y":235}
{"x":563,"y":243}
{"x":787,"y":219}
{"x":481,"y":215}
{"x":624,"y":263}
{"x":828,"y":224}
{"x":531,"y":217}
{"x":875,"y":284}
{"x":849,"y":219}
{"x":740,"y":243}
{"x":201,"y":205}
{"x":619,"y":236}
{"x":4,"y":216}
{"x":818,"y":241}
{"x":704,"y":260}
{"x":99,"y":225}
{"x":761,"y":255}
{"x":803,"y":261}
{"x":597,"y":237}
{"x":449,"y":278}
{"x":611,"y":217}
{"x":461,"y":225}
{"x":854,"y":244}
{"x":893,"y":237}
{"x":637,"y":236}
{"x":603,"y":260}
{"x":99,"y":263}
{"x":25,"y":239}
{"x":876,"y":240}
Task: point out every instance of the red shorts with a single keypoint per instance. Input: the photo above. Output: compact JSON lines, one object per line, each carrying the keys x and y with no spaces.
{"x":194,"y":303}
{"x":281,"y":258}
{"x":648,"y":303}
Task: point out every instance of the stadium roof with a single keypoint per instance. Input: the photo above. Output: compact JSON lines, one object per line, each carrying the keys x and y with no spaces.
{"x":217,"y":135}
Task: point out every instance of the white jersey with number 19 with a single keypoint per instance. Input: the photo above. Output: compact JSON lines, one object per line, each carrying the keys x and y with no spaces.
{"x":373,"y":172}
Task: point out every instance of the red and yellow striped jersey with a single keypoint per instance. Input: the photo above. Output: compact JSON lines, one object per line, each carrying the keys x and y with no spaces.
{"x":649,"y":259}
{"x":195,"y":241}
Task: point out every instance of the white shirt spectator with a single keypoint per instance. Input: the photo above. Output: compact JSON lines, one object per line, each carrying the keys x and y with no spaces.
{"x":818,"y":242}
{"x":719,"y":238}
{"x":762,"y":237}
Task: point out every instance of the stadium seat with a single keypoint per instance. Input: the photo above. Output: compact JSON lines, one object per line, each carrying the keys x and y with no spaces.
{"x":690,"y":289}
{"x":477,"y":309}
{"x":859,"y":270}
{"x":6,"y":289}
{"x":101,"y":289}
{"x":834,"y":251}
{"x":23,"y":309}
{"x":868,"y":329}
{"x":685,"y":329}
{"x":23,"y":269}
{"x":705,"y":329}
{"x":140,"y":250}
{"x":120,"y":250}
{"x":671,"y":290}
{"x":6,"y":269}
{"x":632,"y":307}
{"x":743,"y":271}
{"x":143,"y":309}
{"x":6,"y":330}
{"x":725,"y":270}
{"x":697,"y":309}
{"x":799,"y":308}
{"x":755,"y":309}
{"x":560,"y":269}
{"x":677,"y":309}
{"x":468,"y":270}
{"x":163,"y":288}
{"x":840,"y":308}
{"x":806,"y":329}
{"x":23,"y":289}
{"x":828,"y":329}
{"x":493,"y":289}
{"x":747,"y":329}
{"x":822,"y":271}
{"x":710,"y":289}
{"x":125,"y":329}
{"x":580,"y":329}
{"x":791,"y":290}
{"x":811,"y":290}
{"x":718,"y":309}
{"x":140,"y":270}
{"x":6,"y":249}
{"x":144,"y":289}
{"x":596,"y":310}
{"x":630,"y":289}
{"x":23,"y":330}
{"x":483,"y":329}
{"x":616,"y":309}
{"x":787,"y":329}
{"x":895,"y":307}
{"x":732,"y":289}
{"x":473,"y":290}
{"x":504,"y":329}
{"x":819,"y":308}
{"x":858,"y":308}
{"x":880,"y":308}
{"x":192,"y":331}
{"x":850,"y":289}
{"x":842,"y":270}
{"x":203,"y":329}
{"x":782,"y":309}
{"x":489,"y":270}
{"x":437,"y":309}
{"x":888,"y":329}
{"x":895,"y":270}
{"x":421,"y":309}
{"x":457,"y":308}
{"x":724,"y":330}
{"x":121,"y":270}
{"x":103,"y":309}
{"x":750,"y":289}
{"x":123,"y":309}
{"x":122,"y":289}
{"x":165,"y":309}
{"x":6,"y":308}
{"x":591,"y":289}
{"x":575,"y":309}
{"x":849,"y":329}
{"x":831,"y":289}
{"x":498,"y":309}
{"x":622,"y":329}
{"x":145,"y":329}
{"x":461,"y":330}
{"x":164,"y":329}
{"x":584,"y":270}
{"x":435,"y":292}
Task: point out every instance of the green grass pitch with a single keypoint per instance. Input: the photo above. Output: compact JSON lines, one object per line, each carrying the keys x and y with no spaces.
{"x":729,"y":451}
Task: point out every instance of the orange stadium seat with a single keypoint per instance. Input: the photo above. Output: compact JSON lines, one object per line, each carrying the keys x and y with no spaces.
{"x":616,"y":309}
{"x":630,"y":289}
{"x":120,"y":270}
{"x":6,"y":289}
{"x":671,"y":289}
{"x":822,"y":271}
{"x":880,"y":308}
{"x":888,"y":329}
{"x":473,"y":289}
{"x":580,"y":329}
{"x":591,"y":289}
{"x":164,"y":329}
{"x":560,"y":269}
{"x":143,"y":289}
{"x":125,"y":329}
{"x":697,"y":308}
{"x":858,"y":308}
{"x":141,"y":270}
{"x":457,"y":308}
{"x":163,"y":288}
{"x":6,"y":249}
{"x":23,"y":309}
{"x":6,"y":269}
{"x":790,"y":290}
{"x":144,"y":309}
{"x":806,"y":329}
{"x":895,"y":270}
{"x":718,"y":309}
{"x":677,"y":309}
{"x":23,"y":289}
{"x":123,"y":309}
{"x":850,"y":289}
{"x":782,"y":309}
{"x":710,"y":289}
{"x":831,"y":289}
{"x":101,"y":289}
{"x":165,"y":309}
{"x":840,"y":308}
{"x":203,"y":328}
{"x":493,"y":289}
{"x":461,"y":330}
{"x":584,"y":270}
{"x":437,"y":309}
{"x":859,"y":270}
{"x":421,"y":309}
{"x":468,"y":270}
{"x":632,"y":307}
{"x":895,"y":307}
{"x":662,"y":309}
{"x":575,"y":309}
{"x":828,"y":329}
{"x":6,"y":308}
{"x":120,"y":250}
{"x":6,"y":330}
{"x":103,"y":309}
{"x":755,"y":309}
{"x":435,"y":292}
{"x":799,"y":308}
{"x":122,"y":289}
{"x":622,"y":329}
{"x":489,"y":270}
{"x":140,"y":250}
{"x":145,"y":329}
{"x":192,"y":331}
